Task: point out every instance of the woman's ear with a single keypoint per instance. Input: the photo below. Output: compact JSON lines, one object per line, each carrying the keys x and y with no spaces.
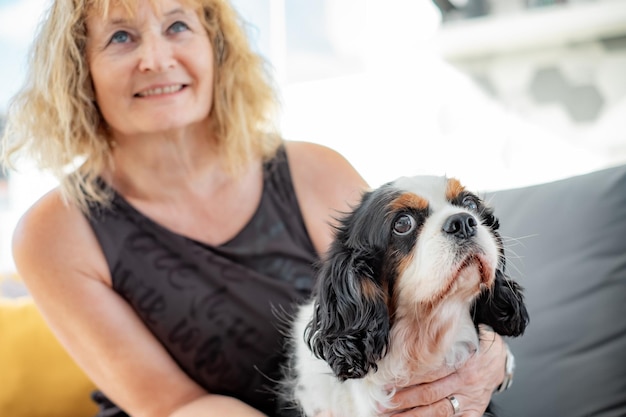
{"x":350,"y":324}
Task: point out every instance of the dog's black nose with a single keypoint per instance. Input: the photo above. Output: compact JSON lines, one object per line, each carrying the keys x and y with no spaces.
{"x":461,"y":225}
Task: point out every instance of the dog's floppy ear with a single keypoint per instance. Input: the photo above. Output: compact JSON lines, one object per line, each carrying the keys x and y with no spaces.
{"x":350,"y":324}
{"x":502,"y":307}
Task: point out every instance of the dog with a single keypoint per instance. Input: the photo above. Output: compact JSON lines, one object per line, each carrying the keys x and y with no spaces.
{"x":411,"y":273}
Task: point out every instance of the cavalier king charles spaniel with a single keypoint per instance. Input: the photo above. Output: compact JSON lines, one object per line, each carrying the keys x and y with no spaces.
{"x":412,"y":271}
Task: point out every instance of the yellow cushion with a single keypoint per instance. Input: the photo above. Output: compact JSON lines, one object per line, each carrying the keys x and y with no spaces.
{"x":37,"y":377}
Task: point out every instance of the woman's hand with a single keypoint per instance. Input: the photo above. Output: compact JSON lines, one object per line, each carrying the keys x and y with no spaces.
{"x":471,"y":385}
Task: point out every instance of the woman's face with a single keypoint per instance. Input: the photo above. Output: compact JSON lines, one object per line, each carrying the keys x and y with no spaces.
{"x":153,"y":71}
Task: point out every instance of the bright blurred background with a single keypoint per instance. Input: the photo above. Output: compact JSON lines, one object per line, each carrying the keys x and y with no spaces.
{"x":500,"y":93}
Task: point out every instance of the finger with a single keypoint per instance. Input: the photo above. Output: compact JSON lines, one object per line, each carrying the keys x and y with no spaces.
{"x":441,"y":408}
{"x":426,"y":394}
{"x":455,"y":404}
{"x":486,"y":336}
{"x":434,"y":375}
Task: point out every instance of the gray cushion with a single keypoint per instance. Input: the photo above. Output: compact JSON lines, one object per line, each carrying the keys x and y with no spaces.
{"x":566,"y":243}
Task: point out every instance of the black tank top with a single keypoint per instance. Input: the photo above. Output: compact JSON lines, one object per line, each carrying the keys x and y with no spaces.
{"x":217,"y":310}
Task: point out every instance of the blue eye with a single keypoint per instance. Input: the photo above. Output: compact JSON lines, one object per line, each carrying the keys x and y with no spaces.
{"x":120,"y":36}
{"x":178,"y":26}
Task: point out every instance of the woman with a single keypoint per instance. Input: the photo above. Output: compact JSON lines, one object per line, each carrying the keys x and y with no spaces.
{"x":182,"y":222}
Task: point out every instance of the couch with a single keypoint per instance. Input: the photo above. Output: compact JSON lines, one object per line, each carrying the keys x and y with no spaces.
{"x":37,"y":377}
{"x":566,"y":242}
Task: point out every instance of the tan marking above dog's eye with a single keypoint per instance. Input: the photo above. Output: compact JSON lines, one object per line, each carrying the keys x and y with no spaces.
{"x":409,"y":200}
{"x":453,"y":188}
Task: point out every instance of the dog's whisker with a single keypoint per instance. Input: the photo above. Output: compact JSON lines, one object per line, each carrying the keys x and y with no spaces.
{"x":519,"y":240}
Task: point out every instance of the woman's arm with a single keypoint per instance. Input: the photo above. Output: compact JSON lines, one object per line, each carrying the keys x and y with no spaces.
{"x":326,"y":185}
{"x":60,"y":260}
{"x":216,"y":405}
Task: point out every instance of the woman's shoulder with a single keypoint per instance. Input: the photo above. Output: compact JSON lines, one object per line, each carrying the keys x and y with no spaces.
{"x":315,"y":156}
{"x":53,"y":234}
{"x":326,"y":186}
{"x":322,"y":165}
{"x":50,"y":213}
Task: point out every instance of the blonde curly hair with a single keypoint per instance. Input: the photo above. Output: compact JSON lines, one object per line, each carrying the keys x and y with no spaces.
{"x":55,"y":121}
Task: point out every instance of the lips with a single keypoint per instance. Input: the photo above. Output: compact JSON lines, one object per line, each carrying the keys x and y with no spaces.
{"x":156,"y":91}
{"x":463,"y":279}
{"x":484,"y":270}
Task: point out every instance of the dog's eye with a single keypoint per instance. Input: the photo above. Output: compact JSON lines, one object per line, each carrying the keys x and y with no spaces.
{"x":470,"y":203}
{"x":403,"y":225}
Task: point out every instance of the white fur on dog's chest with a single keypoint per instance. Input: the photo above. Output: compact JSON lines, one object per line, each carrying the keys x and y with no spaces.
{"x":319,"y":390}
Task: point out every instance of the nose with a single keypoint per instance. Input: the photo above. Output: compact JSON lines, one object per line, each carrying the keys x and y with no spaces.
{"x":156,"y":54}
{"x":461,"y":225}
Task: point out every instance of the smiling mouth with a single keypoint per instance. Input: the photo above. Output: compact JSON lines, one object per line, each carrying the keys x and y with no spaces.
{"x":170,"y":89}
